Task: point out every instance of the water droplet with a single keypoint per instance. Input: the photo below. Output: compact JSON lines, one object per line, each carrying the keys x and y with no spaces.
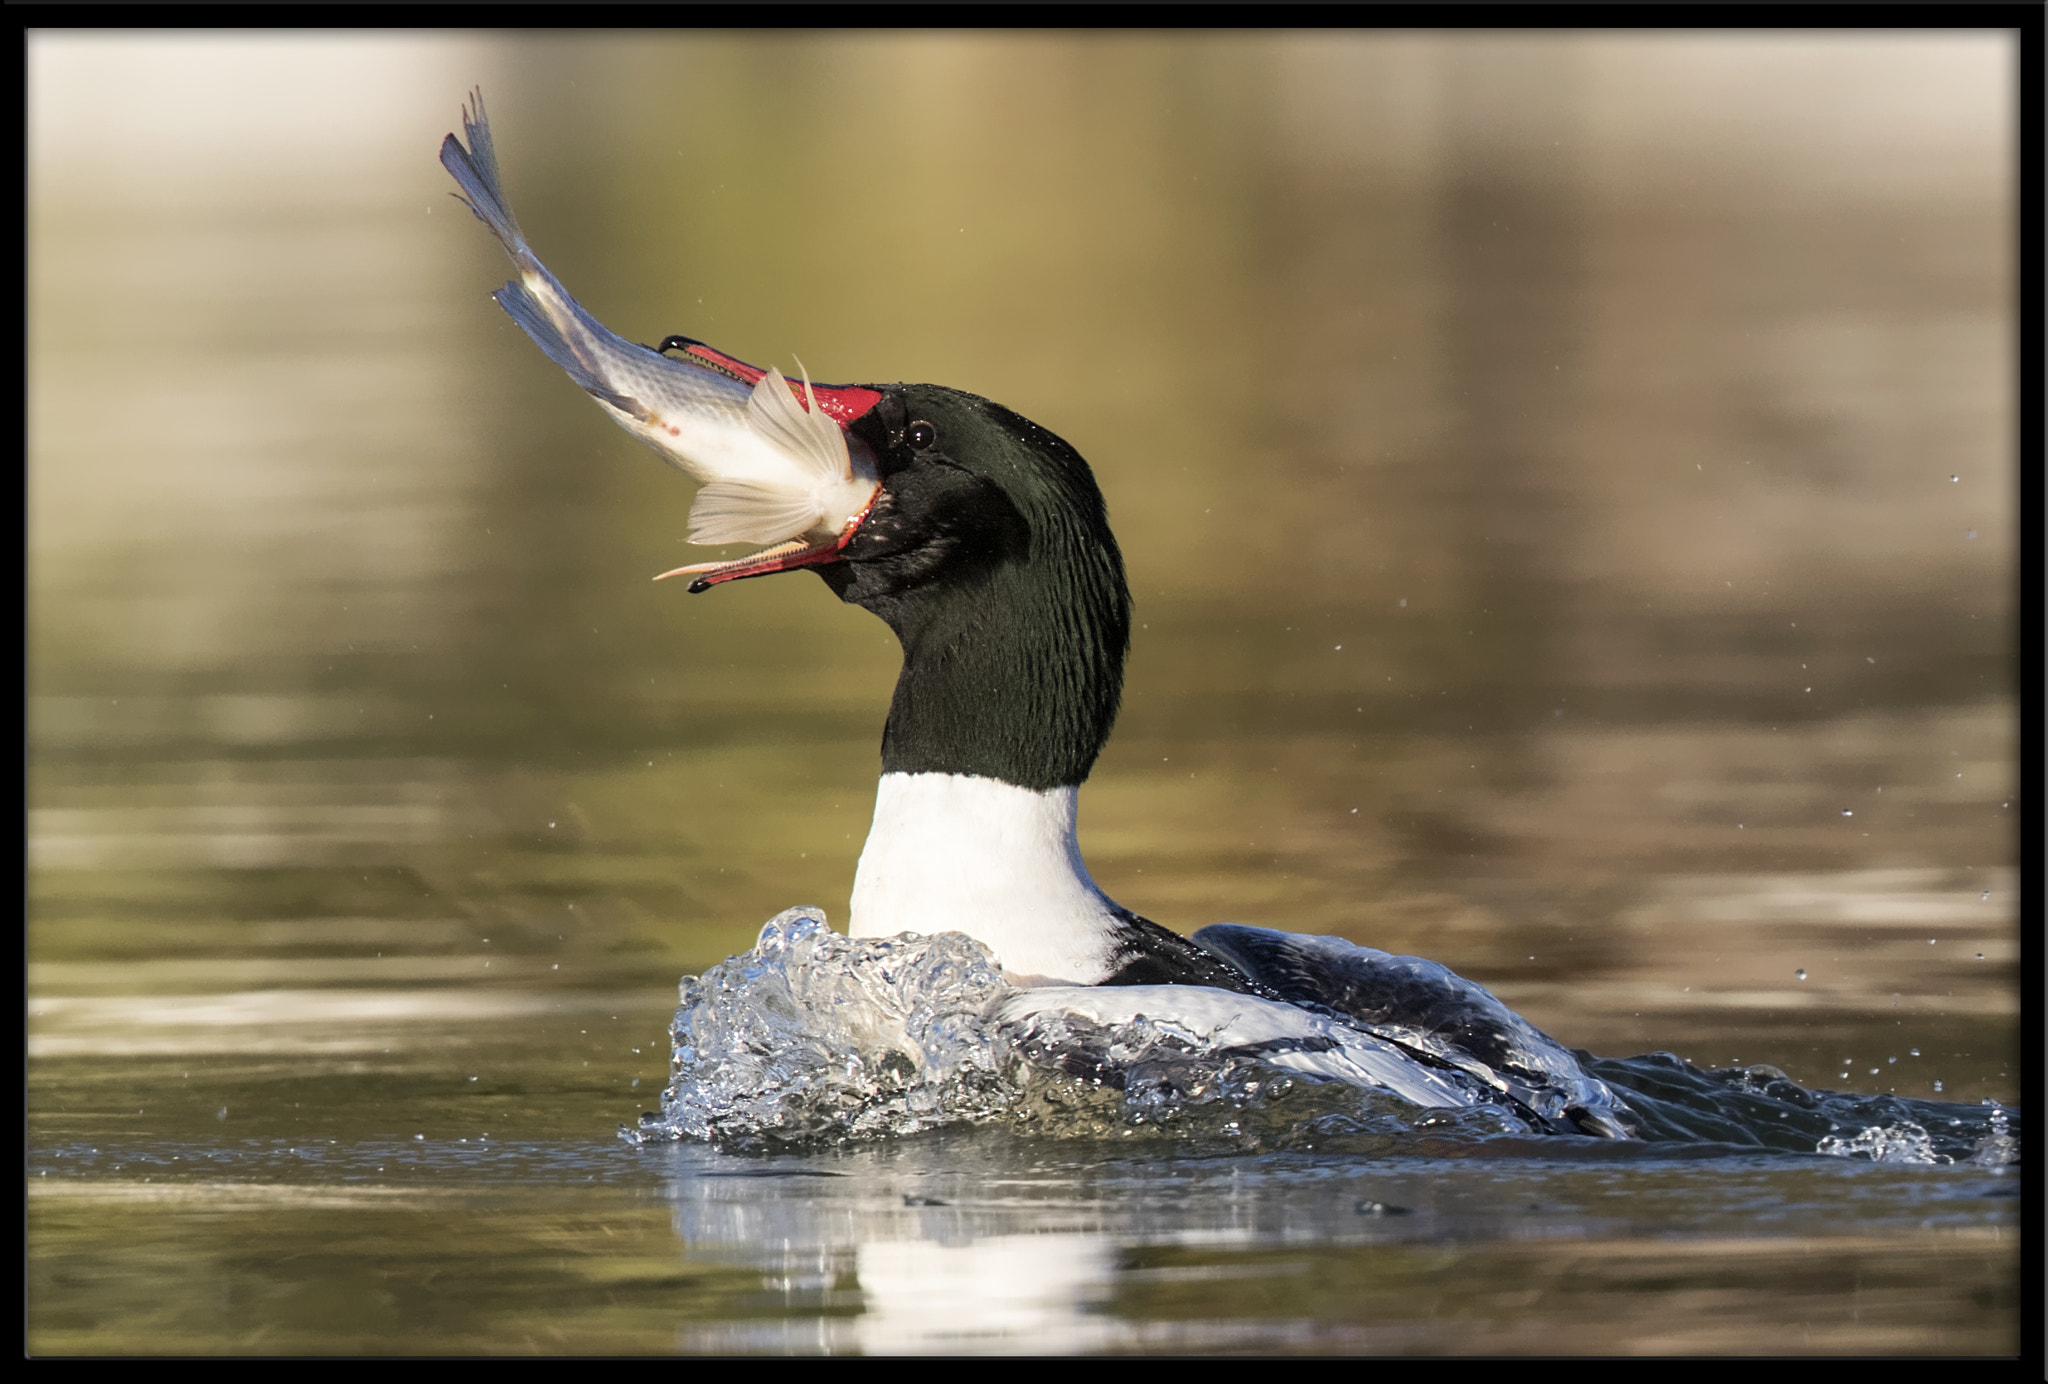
{"x":1980,"y":956}
{"x":1953,"y":479}
{"x":1912,"y":1052}
{"x":1971,"y":535}
{"x":1937,"y":1086}
{"x":419,"y":1138}
{"x":1799,"y":974}
{"x":1845,"y":811}
{"x":1873,"y":1071}
{"x":1930,"y":941}
{"x":1891,"y":1061}
{"x":1985,"y":895}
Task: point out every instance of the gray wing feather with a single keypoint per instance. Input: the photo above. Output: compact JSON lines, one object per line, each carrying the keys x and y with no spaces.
{"x":1427,"y":1009}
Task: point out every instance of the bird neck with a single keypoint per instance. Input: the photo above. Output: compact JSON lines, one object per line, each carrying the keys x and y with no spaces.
{"x":1013,"y":673}
{"x":966,"y":853}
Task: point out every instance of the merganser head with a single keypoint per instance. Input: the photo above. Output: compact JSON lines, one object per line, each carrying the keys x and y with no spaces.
{"x":987,"y":549}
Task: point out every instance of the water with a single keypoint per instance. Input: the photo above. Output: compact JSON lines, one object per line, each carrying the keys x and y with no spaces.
{"x":1502,"y":437}
{"x":538,"y":1246}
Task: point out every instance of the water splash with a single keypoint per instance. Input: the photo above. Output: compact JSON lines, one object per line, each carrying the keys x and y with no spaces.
{"x":1761,"y":1107}
{"x":1907,"y":1142}
{"x":1904,"y":1142}
{"x":816,"y":1038}
{"x":2000,"y":1145}
{"x":813,"y":1038}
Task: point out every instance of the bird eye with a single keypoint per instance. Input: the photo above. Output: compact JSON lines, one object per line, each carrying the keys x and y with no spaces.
{"x":922,"y":435}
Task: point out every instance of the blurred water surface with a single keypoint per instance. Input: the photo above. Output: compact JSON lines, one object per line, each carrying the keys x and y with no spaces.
{"x":1567,"y":485}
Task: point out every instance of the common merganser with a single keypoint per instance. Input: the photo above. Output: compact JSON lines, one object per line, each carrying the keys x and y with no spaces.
{"x":982,"y":540}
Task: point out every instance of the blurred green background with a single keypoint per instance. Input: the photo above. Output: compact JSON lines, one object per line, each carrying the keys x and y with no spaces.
{"x":1567,"y":484}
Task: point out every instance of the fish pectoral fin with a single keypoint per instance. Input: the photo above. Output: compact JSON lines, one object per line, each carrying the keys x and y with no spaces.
{"x":729,"y":510}
{"x":807,"y":436}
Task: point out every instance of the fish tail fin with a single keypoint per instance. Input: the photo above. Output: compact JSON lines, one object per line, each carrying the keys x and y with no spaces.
{"x":475,"y":171}
{"x":569,"y":336}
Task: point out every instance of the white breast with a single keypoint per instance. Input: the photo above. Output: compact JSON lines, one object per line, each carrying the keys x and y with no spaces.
{"x":958,"y":853}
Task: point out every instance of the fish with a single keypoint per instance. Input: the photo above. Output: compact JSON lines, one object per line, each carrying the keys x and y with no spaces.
{"x":777,"y":465}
